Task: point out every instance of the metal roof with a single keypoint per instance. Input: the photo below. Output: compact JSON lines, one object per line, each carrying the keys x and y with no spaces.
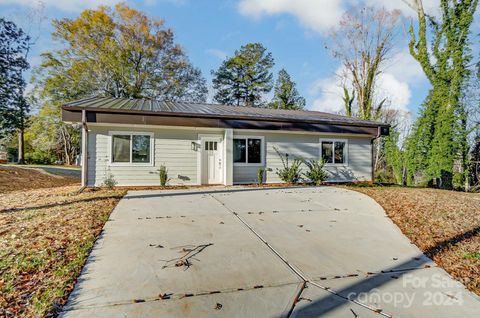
{"x":187,"y":109}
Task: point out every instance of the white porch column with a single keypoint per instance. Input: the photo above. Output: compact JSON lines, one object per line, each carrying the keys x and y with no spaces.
{"x":228,"y":157}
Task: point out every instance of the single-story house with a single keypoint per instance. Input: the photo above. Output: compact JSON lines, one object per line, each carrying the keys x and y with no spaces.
{"x":199,"y":143}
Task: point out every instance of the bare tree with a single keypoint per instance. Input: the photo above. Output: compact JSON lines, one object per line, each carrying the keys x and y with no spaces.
{"x":363,"y":42}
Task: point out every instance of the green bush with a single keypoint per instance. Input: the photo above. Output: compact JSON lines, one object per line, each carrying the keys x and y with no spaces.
{"x":316,"y":172}
{"x":291,"y":171}
{"x":39,"y":157}
{"x":260,"y":174}
{"x":163,"y":172}
{"x":110,"y":181}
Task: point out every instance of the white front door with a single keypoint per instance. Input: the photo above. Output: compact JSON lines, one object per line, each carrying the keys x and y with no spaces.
{"x":212,"y":161}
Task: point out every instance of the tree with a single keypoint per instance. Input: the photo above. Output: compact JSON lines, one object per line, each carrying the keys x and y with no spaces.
{"x":438,"y":148}
{"x":120,"y":53}
{"x":286,"y":95}
{"x":363,"y":42}
{"x":112,"y":52}
{"x":243,"y":78}
{"x":14,"y":109}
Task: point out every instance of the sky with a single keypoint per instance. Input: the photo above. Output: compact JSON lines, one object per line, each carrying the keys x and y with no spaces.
{"x":295,"y":31}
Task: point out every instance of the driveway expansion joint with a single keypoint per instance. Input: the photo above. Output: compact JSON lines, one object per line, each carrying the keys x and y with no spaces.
{"x":296,"y":271}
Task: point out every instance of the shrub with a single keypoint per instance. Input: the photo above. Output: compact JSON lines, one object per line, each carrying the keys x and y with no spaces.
{"x":163,"y":172}
{"x":109,"y":181}
{"x":260,"y":174}
{"x":291,"y":171}
{"x":316,"y":172}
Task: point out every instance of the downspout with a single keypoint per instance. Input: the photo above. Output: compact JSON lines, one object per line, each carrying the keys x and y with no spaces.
{"x":373,"y":157}
{"x":84,"y":149}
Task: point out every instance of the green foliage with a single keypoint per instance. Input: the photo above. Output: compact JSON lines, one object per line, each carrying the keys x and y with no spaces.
{"x":14,"y":46}
{"x":163,"y":172}
{"x":119,"y":52}
{"x":348,"y":101}
{"x":260,"y":175}
{"x":437,"y":149}
{"x":286,"y":95}
{"x":39,"y":157}
{"x":110,"y":181}
{"x":245,"y":77}
{"x":395,"y":158}
{"x":291,"y":171}
{"x":316,"y":172}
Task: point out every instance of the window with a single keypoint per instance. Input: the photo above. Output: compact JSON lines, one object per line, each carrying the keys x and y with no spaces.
{"x":333,"y":151}
{"x":210,"y":145}
{"x":247,"y":150}
{"x":131,"y":148}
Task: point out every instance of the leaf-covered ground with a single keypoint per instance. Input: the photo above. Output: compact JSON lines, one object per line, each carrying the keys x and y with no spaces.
{"x":14,"y":178}
{"x":45,"y":237}
{"x":445,"y":225}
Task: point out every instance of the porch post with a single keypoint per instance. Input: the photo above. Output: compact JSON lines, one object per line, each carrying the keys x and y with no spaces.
{"x":228,"y":157}
{"x":84,"y":149}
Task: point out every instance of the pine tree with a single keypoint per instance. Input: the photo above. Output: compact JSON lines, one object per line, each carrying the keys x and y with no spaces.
{"x":243,"y":79}
{"x":286,"y":95}
{"x":14,"y":109}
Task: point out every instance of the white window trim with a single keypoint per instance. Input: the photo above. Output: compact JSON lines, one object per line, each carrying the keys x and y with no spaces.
{"x":131,"y":164}
{"x":262,"y":151}
{"x":345,"y":151}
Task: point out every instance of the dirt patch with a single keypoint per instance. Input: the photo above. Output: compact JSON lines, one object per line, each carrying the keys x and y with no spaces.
{"x":45,"y":238}
{"x":445,"y":225}
{"x":15,"y":178}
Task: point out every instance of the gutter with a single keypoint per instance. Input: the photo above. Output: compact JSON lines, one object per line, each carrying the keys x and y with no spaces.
{"x":84,"y":149}
{"x":379,"y":134}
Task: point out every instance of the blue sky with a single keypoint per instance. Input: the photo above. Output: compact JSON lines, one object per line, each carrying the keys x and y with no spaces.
{"x":293,"y":30}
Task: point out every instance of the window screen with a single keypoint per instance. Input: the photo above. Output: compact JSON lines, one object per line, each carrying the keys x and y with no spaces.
{"x":327,"y":153}
{"x":121,"y":148}
{"x":140,"y":148}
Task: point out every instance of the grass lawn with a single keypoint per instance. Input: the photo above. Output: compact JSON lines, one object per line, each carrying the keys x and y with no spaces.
{"x":445,"y":225}
{"x":45,"y":237}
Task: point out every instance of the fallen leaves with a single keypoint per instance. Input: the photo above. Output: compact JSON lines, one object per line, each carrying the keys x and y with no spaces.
{"x":45,"y":238}
{"x":443,"y":224}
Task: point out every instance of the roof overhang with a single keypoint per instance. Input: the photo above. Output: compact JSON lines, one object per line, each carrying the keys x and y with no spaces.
{"x":111,"y":116}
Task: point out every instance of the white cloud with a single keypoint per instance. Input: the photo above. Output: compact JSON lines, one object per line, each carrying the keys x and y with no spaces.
{"x":316,"y":15}
{"x":320,"y":15}
{"x":328,"y":92}
{"x":405,"y":68}
{"x":221,"y":55}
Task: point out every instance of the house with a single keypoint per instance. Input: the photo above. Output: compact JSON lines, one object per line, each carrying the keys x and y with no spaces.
{"x":129,"y":139}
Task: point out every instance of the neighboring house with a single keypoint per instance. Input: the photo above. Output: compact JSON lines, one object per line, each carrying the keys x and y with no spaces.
{"x":130,"y":139}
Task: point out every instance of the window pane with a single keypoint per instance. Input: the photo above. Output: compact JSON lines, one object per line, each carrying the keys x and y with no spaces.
{"x":339,"y":150}
{"x":239,"y":150}
{"x":140,"y":148}
{"x":254,"y":150}
{"x":121,"y":148}
{"x":327,"y":153}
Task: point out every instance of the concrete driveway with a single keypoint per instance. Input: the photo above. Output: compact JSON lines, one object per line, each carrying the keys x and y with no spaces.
{"x":251,"y":252}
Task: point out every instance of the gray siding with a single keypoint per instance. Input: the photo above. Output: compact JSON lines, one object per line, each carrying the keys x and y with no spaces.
{"x":306,"y":146}
{"x":172,"y":147}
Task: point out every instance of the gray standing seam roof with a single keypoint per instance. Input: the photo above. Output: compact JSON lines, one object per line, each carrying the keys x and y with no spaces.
{"x":188,"y":109}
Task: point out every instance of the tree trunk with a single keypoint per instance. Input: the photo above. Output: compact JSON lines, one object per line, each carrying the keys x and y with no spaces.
{"x":21,"y":147}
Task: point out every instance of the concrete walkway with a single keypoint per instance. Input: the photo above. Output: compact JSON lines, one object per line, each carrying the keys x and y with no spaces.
{"x":251,"y":252}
